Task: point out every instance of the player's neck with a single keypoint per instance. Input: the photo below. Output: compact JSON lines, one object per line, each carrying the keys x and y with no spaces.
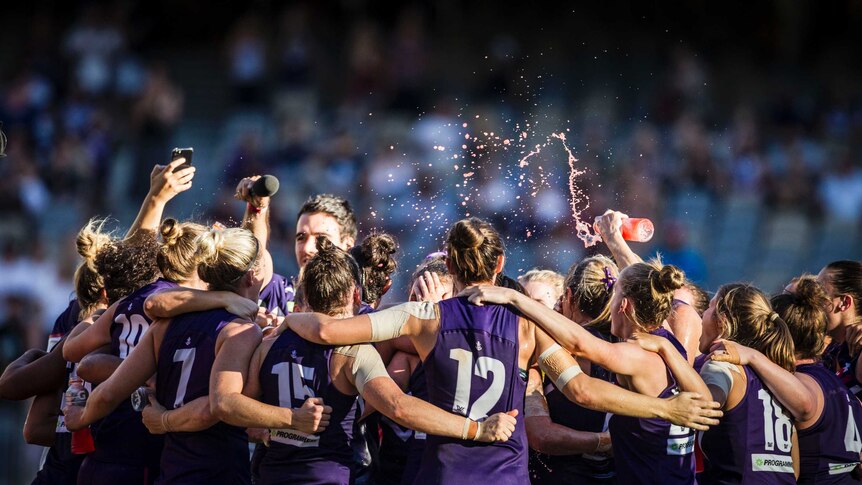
{"x":459,"y":287}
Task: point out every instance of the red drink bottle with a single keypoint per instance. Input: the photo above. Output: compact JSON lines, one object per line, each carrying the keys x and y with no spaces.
{"x":77,"y":394}
{"x":637,"y":229}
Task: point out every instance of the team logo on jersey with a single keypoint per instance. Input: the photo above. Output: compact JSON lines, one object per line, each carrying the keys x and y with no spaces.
{"x":478,"y":346}
{"x":761,"y":462}
{"x":293,"y":354}
{"x":294,"y":438}
{"x":188,"y":341}
{"x":839,"y":468}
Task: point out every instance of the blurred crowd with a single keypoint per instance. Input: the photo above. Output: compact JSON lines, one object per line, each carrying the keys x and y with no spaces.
{"x":396,"y":131}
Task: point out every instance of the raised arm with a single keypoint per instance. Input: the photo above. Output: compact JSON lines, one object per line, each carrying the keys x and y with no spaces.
{"x":229,"y":374}
{"x":256,"y":219}
{"x":85,"y":338}
{"x":176,"y":301}
{"x":609,"y":229}
{"x":139,"y":366}
{"x":370,"y":378}
{"x":546,"y":436}
{"x":165,"y":184}
{"x":790,"y":391}
{"x":686,"y":409}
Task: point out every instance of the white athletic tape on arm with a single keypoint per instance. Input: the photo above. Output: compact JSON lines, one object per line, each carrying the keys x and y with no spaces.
{"x":388,"y":324}
{"x":367,"y":364}
{"x":552,"y":361}
{"x":718,"y":374}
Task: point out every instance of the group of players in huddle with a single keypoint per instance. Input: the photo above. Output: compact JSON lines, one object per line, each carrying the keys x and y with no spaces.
{"x":623,"y":371}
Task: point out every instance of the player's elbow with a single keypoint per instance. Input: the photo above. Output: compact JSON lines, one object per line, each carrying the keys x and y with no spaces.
{"x":151,"y":307}
{"x":537,"y":438}
{"x":38,"y":435}
{"x":221,"y":406}
{"x":578,"y":390}
{"x":398,"y":411}
{"x":323,"y":334}
{"x":71,"y":352}
{"x":807,"y":409}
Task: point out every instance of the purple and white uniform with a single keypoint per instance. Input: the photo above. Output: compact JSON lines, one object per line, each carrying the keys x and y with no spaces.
{"x":401,"y":448}
{"x":473,"y":371}
{"x":825,"y":457}
{"x":837,"y":359}
{"x":218,"y":454}
{"x":59,"y":464}
{"x":293,"y":370}
{"x":277,"y":296}
{"x":592,"y":468}
{"x":752,"y":442}
{"x":653,"y":451}
{"x":125,"y":449}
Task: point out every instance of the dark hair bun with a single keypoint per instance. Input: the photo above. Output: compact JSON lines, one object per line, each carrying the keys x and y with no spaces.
{"x":324,"y":245}
{"x":376,"y":260}
{"x":465,"y":235}
{"x":668,"y":279}
{"x":810,"y":292}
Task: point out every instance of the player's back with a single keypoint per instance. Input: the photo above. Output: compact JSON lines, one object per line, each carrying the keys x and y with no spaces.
{"x":218,"y":454}
{"x":473,"y":371}
{"x":292,"y":371}
{"x":824,"y":456}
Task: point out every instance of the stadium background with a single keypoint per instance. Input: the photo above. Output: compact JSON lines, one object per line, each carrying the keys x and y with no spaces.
{"x":735,"y":126}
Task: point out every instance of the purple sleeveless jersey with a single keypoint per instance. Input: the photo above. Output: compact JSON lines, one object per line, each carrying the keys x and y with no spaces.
{"x":752,"y":443}
{"x":218,"y":454}
{"x":61,"y":465}
{"x":653,"y":451}
{"x":473,"y":371}
{"x":555,"y":469}
{"x":829,"y":449}
{"x":120,"y":437}
{"x":277,"y":296}
{"x":401,"y":448}
{"x":837,"y":358}
{"x":292,"y":371}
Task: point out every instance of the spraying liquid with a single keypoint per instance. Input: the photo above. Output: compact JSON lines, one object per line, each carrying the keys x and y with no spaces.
{"x":577,"y":195}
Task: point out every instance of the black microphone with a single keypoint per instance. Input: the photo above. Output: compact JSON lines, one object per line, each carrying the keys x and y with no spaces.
{"x":265,"y":186}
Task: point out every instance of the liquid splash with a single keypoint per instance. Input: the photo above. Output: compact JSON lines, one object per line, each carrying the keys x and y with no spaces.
{"x":577,"y":195}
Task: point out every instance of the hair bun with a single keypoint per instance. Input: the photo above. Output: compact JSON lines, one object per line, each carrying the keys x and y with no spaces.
{"x":170,"y":231}
{"x":209,"y":245}
{"x":808,"y":291}
{"x":668,"y":279}
{"x":323,"y":245}
{"x":91,"y":240}
{"x":466,"y":235}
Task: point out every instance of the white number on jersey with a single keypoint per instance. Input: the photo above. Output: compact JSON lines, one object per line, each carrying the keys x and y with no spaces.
{"x":776,"y":425}
{"x":133,"y":329}
{"x":484,"y":366}
{"x":292,"y":382}
{"x":187,"y":357}
{"x":851,"y":434}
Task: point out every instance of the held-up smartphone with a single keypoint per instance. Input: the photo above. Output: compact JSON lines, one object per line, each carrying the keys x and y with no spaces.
{"x":183,"y":153}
